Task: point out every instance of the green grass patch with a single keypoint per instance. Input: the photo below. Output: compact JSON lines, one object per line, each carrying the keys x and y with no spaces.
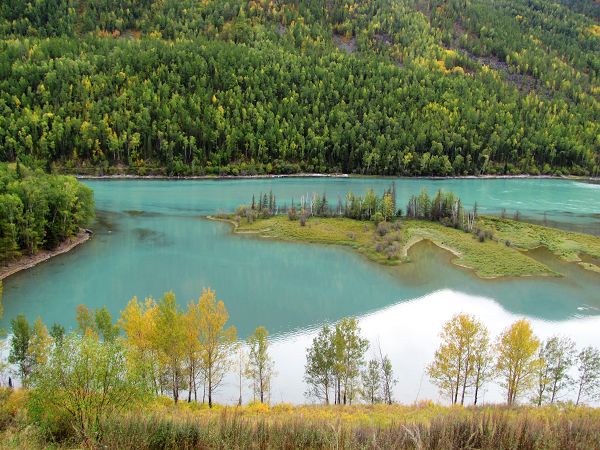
{"x":501,"y":254}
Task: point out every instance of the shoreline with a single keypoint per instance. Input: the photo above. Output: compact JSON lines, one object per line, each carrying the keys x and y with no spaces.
{"x":28,"y":261}
{"x":333,"y":175}
{"x":493,"y":266}
{"x":456,"y":254}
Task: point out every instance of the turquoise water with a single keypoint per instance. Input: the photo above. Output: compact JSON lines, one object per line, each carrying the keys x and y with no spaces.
{"x":151,"y":237}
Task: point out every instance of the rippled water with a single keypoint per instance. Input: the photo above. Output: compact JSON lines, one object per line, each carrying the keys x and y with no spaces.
{"x":151,"y":237}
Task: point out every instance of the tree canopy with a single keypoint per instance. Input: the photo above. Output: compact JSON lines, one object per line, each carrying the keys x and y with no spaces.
{"x":446,"y":87}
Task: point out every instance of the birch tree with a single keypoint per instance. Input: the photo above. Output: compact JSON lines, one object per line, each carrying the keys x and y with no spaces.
{"x":517,"y":359}
{"x":216,"y":341}
{"x":259,"y":368}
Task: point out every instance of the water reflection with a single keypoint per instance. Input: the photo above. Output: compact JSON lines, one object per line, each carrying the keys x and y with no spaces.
{"x":408,"y":332}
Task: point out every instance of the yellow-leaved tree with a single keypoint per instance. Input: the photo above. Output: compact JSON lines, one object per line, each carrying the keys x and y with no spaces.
{"x":517,"y":361}
{"x":463,"y":361}
{"x":169,"y":340}
{"x":217,"y":343}
{"x":192,"y":323}
{"x":39,"y":344}
{"x":138,"y":322}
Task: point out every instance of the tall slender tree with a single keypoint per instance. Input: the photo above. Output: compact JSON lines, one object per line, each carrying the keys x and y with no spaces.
{"x":216,"y":341}
{"x":517,"y":359}
{"x":259,"y":368}
{"x":588,"y":377}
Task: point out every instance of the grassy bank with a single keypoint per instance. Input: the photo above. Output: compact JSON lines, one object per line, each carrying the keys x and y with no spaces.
{"x":500,"y":254}
{"x":162,"y":424}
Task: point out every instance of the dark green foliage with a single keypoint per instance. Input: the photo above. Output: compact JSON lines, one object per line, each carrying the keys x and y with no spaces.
{"x":57,"y":333}
{"x":445,"y":208}
{"x":39,"y":211}
{"x":371,"y":207}
{"x":183,"y":87}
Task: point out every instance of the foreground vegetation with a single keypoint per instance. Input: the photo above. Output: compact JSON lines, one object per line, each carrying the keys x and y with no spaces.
{"x":39,"y":211}
{"x":374,"y":226}
{"x":424,"y":426}
{"x":445,"y":87}
{"x":99,"y":388}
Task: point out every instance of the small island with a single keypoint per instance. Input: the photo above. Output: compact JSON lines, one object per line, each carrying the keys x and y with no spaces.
{"x":491,"y":246}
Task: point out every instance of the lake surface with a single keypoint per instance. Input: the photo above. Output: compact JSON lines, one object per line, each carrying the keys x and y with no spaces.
{"x":151,"y":237}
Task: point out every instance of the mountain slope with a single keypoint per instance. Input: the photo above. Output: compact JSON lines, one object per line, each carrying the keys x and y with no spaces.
{"x":377,"y":86}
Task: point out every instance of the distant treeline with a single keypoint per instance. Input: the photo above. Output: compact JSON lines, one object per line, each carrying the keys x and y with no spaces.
{"x":38,"y":210}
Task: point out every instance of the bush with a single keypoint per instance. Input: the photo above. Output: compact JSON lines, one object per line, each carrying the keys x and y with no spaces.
{"x":303,"y":219}
{"x":383,"y":228}
{"x":292,"y":214}
{"x":378,"y":217}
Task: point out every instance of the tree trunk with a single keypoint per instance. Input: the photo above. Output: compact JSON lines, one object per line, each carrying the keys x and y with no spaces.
{"x":210,"y":387}
{"x":579,"y":393}
{"x":477,"y":385}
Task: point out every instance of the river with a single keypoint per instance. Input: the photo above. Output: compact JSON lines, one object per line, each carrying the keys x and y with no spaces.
{"x":151,"y":236}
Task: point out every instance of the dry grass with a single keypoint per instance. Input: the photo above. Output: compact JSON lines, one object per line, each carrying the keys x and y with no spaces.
{"x":163,"y":425}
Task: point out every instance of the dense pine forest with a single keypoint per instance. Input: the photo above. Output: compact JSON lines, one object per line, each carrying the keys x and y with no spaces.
{"x":403,"y":87}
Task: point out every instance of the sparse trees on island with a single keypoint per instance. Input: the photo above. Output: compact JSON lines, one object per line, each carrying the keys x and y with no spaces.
{"x":368,"y":207}
{"x":445,"y":208}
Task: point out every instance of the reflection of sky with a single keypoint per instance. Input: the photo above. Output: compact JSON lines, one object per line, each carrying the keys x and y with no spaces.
{"x":408,"y":333}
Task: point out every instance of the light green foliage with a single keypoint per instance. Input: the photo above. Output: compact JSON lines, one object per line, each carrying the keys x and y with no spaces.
{"x":557,"y":356}
{"x":588,"y":379}
{"x":318,"y":371}
{"x":97,"y":322}
{"x":83,"y":381}
{"x":19,"y":346}
{"x":259,"y":368}
{"x":334,"y":362}
{"x":371,"y":382}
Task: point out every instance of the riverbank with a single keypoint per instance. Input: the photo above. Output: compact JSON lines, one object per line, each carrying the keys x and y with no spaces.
{"x":327,"y":175}
{"x":502,"y":252}
{"x":27,"y":261}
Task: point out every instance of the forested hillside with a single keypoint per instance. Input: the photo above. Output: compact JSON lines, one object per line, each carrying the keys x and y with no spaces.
{"x":406,"y":87}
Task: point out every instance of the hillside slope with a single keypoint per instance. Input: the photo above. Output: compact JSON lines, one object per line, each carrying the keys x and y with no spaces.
{"x":232,"y":87}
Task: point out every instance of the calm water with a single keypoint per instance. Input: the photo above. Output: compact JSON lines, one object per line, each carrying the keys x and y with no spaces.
{"x":151,"y":237}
